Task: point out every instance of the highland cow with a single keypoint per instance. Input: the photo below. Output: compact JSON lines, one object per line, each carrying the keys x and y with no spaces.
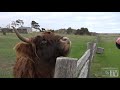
{"x":36,"y":56}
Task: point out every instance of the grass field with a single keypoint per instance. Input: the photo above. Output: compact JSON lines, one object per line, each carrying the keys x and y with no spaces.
{"x":7,"y":54}
{"x":104,"y":65}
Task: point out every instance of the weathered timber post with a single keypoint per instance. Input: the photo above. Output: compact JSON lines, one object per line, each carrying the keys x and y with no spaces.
{"x":65,"y":67}
{"x":90,"y":46}
{"x":98,"y":39}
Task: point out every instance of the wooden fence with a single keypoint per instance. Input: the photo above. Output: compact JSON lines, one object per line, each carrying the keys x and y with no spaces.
{"x":72,"y":67}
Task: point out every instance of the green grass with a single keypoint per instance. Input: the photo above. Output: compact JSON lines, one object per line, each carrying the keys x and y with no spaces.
{"x":109,"y":59}
{"x":7,"y":54}
{"x":79,"y":45}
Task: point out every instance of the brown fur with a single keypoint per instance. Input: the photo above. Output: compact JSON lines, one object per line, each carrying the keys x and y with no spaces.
{"x":48,"y":48}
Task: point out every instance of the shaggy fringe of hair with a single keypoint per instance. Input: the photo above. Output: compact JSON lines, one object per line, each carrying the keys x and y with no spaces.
{"x":28,"y":67}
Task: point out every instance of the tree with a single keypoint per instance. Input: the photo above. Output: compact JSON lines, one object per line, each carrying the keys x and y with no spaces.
{"x":83,"y":31}
{"x":8,"y":26}
{"x":19,"y":22}
{"x":35,"y":25}
{"x":14,"y":23}
{"x":69,"y":30}
{"x":4,"y":32}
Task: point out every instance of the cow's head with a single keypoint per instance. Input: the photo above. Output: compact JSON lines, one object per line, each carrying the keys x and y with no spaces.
{"x":47,"y":45}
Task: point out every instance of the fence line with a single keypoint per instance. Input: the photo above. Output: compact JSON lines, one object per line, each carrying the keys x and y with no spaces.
{"x":76,"y":68}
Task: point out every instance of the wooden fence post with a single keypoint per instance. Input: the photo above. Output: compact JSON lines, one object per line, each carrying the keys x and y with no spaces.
{"x":97,"y":39}
{"x":90,"y":46}
{"x":65,"y":67}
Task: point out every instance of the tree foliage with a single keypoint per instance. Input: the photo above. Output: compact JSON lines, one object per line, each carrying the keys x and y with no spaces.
{"x":19,"y":22}
{"x":35,"y":25}
{"x":82,"y":31}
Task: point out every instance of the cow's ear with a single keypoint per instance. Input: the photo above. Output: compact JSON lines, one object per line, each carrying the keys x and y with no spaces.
{"x":118,"y":45}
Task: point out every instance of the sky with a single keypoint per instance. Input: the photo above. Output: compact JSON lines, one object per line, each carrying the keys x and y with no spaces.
{"x":100,"y":22}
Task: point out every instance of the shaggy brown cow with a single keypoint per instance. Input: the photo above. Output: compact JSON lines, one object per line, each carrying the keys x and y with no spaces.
{"x":36,"y":56}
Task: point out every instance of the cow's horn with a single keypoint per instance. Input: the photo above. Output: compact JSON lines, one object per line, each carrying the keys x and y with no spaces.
{"x":20,"y":37}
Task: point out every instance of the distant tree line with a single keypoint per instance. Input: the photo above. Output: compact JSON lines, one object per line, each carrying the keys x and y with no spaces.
{"x":82,"y":31}
{"x":35,"y":25}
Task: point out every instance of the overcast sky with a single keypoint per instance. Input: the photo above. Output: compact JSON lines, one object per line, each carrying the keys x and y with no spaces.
{"x":101,"y":22}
